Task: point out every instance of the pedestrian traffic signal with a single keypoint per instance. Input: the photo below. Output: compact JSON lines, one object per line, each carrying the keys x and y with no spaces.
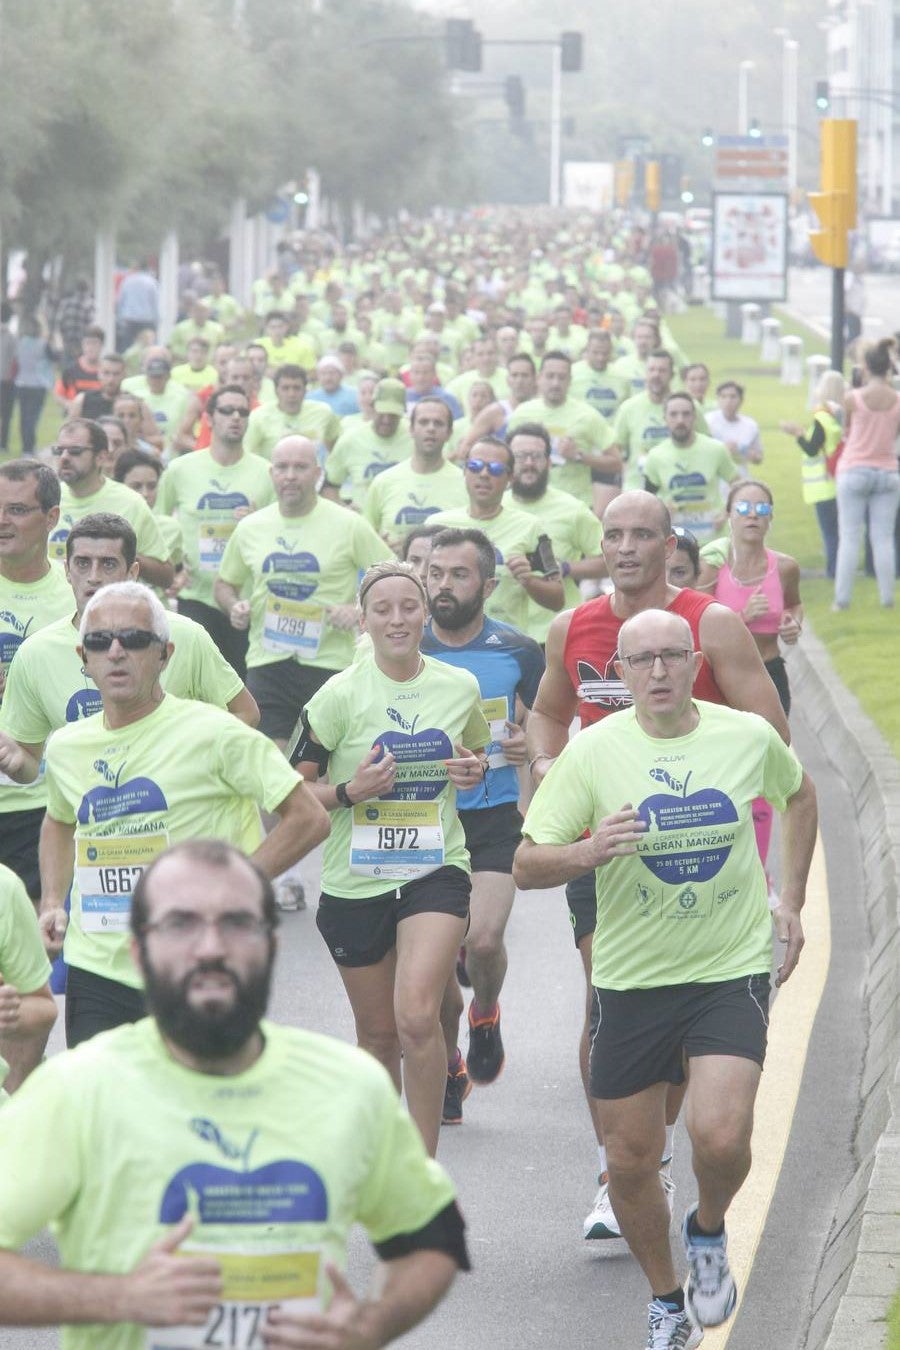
{"x":823,"y":95}
{"x":624,"y":181}
{"x":671,"y":168}
{"x":463,"y":44}
{"x":835,"y":205}
{"x":652,"y":185}
{"x":708,"y":139}
{"x":570,"y":54}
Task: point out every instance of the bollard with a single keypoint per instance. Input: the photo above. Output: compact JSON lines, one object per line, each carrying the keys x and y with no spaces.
{"x":750,"y":323}
{"x":791,"y":360}
{"x":816,"y":366}
{"x":769,"y":349}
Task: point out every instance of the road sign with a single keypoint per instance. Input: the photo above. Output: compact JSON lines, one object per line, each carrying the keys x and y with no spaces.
{"x":757,"y":161}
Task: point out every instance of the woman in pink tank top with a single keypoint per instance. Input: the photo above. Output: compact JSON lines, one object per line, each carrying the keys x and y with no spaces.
{"x":764,"y":588}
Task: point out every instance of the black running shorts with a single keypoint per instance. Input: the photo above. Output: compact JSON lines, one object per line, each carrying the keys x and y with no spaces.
{"x":282,"y":689}
{"x":642,"y":1036}
{"x":492,"y":837}
{"x":362,"y":932}
{"x":581,"y":897}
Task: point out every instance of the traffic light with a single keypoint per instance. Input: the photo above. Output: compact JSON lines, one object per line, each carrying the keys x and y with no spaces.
{"x":652,"y":185}
{"x":708,"y":140}
{"x":463,"y":44}
{"x":624,"y":181}
{"x":835,"y":205}
{"x":515,"y":97}
{"x":755,"y":130}
{"x":570,"y":54}
{"x":823,"y":96}
{"x":670,"y":169}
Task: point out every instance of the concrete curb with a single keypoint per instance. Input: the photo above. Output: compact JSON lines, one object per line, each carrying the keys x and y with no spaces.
{"x":860,"y":1269}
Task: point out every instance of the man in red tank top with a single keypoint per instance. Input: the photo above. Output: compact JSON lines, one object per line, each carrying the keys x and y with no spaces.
{"x":580,"y":680}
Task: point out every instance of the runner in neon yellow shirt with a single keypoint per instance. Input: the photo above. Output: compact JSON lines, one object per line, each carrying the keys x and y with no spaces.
{"x":522,"y":574}
{"x":202,"y":1170}
{"x":412,"y":491}
{"x":123,"y":784}
{"x":300,"y":559}
{"x":366,"y":449}
{"x":398,"y":734}
{"x":687,"y":471}
{"x":210,"y":491}
{"x":80,"y":445}
{"x":291,"y":414}
{"x":580,"y":437}
{"x":33,"y":593}
{"x":27,"y":1009}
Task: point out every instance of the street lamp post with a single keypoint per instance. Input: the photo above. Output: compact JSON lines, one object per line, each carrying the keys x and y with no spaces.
{"x":555,"y":122}
{"x":744,"y":96}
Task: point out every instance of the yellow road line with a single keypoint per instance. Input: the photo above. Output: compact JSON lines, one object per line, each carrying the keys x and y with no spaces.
{"x":790,"y":1026}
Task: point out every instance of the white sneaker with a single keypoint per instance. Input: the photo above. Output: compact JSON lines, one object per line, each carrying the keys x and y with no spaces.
{"x":602,"y":1222}
{"x":671,"y":1330}
{"x":289,"y":895}
{"x":711,"y":1293}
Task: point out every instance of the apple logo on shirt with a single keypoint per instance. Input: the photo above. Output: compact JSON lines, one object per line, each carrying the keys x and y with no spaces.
{"x":421,"y":771}
{"x":417,"y":512}
{"x":113,"y":798}
{"x":221,"y":498}
{"x":12,"y":641}
{"x":282,"y":1191}
{"x":83,"y":703}
{"x":284,"y":560}
{"x":689,"y":837}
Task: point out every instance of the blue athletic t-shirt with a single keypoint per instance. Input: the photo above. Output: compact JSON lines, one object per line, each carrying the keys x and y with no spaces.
{"x":505,"y":662}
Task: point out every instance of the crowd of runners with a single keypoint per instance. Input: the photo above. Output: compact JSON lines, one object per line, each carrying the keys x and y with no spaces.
{"x":441,"y":553}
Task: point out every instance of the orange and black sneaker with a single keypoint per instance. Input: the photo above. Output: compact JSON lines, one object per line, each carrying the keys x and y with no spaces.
{"x":455,"y":1093}
{"x":485,"y":1058}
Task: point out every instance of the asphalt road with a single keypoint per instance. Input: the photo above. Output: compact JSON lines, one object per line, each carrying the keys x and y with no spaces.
{"x":809,"y":293}
{"x":525,"y":1163}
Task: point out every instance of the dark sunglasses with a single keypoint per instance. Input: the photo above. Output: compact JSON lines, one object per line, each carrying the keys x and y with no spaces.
{"x":132,"y":639}
{"x":231,"y":411}
{"x":495,"y":467}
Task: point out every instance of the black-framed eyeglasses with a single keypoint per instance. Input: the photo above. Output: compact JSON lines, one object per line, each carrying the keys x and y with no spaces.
{"x":132,"y":639}
{"x":670,"y":657}
{"x":232,"y":411}
{"x":76,"y":450}
{"x":184,"y":926}
{"x":495,"y":467}
{"x":753,"y":508}
{"x":522,"y":456}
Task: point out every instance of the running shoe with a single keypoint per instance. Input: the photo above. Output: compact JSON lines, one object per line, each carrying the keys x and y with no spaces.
{"x":671,"y":1328}
{"x":289,"y":896}
{"x":601,"y":1222}
{"x":462,"y":974}
{"x":711,"y":1292}
{"x":485,"y":1058}
{"x":455,"y":1093}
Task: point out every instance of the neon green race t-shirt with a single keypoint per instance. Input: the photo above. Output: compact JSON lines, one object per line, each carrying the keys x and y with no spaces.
{"x":23,"y":961}
{"x":400,"y":498}
{"x":360,"y":455}
{"x":205,"y":495}
{"x":132,"y":791}
{"x":120,"y":501}
{"x":267,"y":425}
{"x":575,"y":533}
{"x":418,"y":721}
{"x":690,"y":907}
{"x":577,"y":421}
{"x":116,"y":1141}
{"x":295,"y":566}
{"x":511,"y":532}
{"x":688,"y":479}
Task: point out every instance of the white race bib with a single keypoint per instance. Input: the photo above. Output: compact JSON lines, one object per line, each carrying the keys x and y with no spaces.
{"x":252,"y":1283}
{"x":293,"y":627}
{"x":211,"y":543}
{"x":107,"y":871}
{"x":396,"y":841}
{"x":496,"y":712}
